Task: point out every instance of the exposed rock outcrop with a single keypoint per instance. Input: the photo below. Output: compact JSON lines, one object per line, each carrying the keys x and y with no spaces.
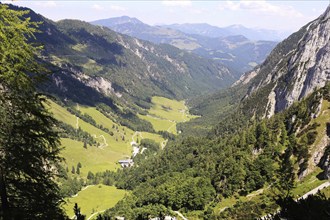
{"x":295,"y":68}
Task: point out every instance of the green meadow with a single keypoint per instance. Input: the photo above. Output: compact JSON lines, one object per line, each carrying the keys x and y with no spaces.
{"x":105,"y":157}
{"x":92,"y":159}
{"x":111,"y":148}
{"x":94,"y":199}
{"x":166,"y":113}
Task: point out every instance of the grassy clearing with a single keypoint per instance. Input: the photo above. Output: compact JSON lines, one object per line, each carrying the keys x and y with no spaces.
{"x":156,"y":137}
{"x":80,"y":47}
{"x":92,"y":159}
{"x":112,"y":148}
{"x":160,"y":124}
{"x":166,"y":113}
{"x":118,"y":130}
{"x":61,"y":113}
{"x":308,"y":183}
{"x":326,"y":192}
{"x":105,"y":157}
{"x":122,"y":130}
{"x":91,"y":66}
{"x":170,"y":109}
{"x":322,"y":119}
{"x":94,"y":199}
{"x":226,"y":202}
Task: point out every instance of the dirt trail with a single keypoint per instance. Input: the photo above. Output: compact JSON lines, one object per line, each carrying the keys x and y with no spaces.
{"x":315,"y":190}
{"x":105,"y":144}
{"x":179,"y":214}
{"x":90,"y":217}
{"x":77,"y":123}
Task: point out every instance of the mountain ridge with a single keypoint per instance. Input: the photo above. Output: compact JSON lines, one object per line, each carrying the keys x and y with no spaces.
{"x":231,"y":54}
{"x":235,"y":29}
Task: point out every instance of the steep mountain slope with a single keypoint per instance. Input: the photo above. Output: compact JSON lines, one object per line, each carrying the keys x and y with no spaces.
{"x":124,"y":68}
{"x":296,"y":67}
{"x":229,"y":50}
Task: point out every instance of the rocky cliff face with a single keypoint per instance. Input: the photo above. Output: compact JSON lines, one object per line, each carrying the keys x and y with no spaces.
{"x":296,"y":67}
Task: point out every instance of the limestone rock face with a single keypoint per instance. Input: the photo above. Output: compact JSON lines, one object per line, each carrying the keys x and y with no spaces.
{"x":310,"y":64}
{"x":297,"y":66}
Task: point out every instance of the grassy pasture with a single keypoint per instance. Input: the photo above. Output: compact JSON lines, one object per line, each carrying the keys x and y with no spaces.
{"x":166,"y":113}
{"x":94,"y":199}
{"x":112,"y":148}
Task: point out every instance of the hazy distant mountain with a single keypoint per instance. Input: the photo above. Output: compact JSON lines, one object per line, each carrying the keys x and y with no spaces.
{"x":213,"y":31}
{"x":237,"y":52}
{"x":202,"y":29}
{"x":156,"y":34}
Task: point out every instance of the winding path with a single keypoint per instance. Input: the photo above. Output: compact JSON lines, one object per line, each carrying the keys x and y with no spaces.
{"x":135,"y":134}
{"x":90,"y":217}
{"x":315,"y":190}
{"x":179,"y":214}
{"x":77,"y":123}
{"x":86,"y":187}
{"x":105,"y":144}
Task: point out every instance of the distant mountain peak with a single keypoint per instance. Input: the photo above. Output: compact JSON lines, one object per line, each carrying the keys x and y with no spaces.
{"x":237,"y":26}
{"x":127,"y":19}
{"x":119,"y":21}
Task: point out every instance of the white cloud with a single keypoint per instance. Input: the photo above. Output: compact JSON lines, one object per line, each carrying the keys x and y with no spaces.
{"x":117,"y":8}
{"x":260,"y":7}
{"x":97,"y":7}
{"x":46,"y":4}
{"x":182,"y":3}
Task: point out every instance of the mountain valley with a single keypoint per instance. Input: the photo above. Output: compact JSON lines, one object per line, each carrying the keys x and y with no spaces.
{"x":184,"y":121}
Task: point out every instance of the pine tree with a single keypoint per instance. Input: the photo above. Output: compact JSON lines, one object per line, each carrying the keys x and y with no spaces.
{"x":73,"y":171}
{"x":77,"y":212}
{"x":285,"y":175}
{"x":78,"y":168}
{"x":29,"y":145}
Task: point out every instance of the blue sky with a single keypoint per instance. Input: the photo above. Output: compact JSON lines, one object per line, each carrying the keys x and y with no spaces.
{"x":277,"y":15}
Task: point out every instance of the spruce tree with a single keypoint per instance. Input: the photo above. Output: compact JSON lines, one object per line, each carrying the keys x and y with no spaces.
{"x":29,"y":145}
{"x":77,"y":212}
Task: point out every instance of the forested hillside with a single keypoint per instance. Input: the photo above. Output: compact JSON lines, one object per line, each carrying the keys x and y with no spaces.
{"x":273,"y":152}
{"x":121,"y":66}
